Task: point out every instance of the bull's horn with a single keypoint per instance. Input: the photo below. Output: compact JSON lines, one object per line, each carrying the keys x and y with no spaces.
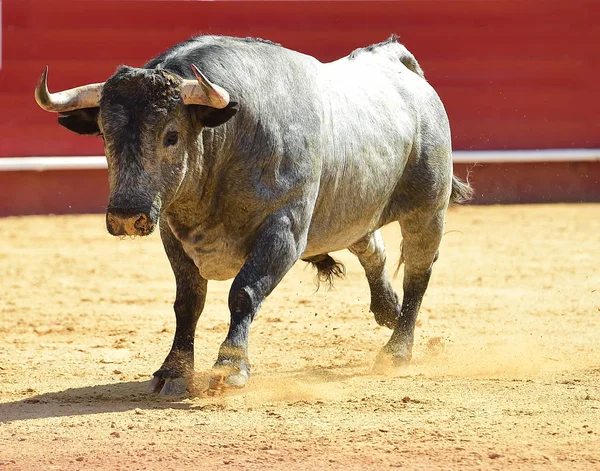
{"x":202,"y":92}
{"x":86,"y":96}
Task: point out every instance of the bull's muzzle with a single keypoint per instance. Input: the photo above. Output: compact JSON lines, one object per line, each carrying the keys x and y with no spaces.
{"x":121,"y":222}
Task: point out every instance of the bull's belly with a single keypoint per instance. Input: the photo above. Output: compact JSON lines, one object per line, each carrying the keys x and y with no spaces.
{"x":340,"y":230}
{"x":221,"y":260}
{"x":220,"y":256}
{"x":321,"y":245}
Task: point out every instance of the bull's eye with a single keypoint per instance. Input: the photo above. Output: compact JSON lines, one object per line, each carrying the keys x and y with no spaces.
{"x":171,"y":138}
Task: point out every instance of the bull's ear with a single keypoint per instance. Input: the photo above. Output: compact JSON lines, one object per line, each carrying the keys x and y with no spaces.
{"x":84,"y":121}
{"x":213,"y":117}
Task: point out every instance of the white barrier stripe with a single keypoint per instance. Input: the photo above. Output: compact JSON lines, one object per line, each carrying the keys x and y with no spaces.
{"x":39,"y":164}
{"x":513,"y":156}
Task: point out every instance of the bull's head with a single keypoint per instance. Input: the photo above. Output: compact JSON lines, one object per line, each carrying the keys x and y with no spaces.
{"x":150,"y":120}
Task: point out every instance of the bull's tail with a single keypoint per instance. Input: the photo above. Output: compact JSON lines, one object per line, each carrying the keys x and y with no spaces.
{"x":461,"y":191}
{"x":406,"y":57}
{"x":411,"y":63}
{"x":327,"y":269}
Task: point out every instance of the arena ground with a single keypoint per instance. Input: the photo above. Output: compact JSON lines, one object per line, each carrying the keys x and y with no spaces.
{"x":506,"y":373}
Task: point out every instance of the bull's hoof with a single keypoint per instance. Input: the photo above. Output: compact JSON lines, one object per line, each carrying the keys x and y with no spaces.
{"x":169,"y":382}
{"x":385,"y":318}
{"x":229,"y":375}
{"x":168,"y":386}
{"x":393,"y":357}
{"x":386,"y":311}
{"x":175,"y":376}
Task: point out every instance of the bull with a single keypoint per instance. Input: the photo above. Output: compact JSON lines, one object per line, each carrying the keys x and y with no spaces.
{"x":252,"y":156}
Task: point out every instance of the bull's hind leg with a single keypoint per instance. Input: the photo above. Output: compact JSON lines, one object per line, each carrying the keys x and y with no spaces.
{"x":384,"y":301}
{"x":422,"y":233}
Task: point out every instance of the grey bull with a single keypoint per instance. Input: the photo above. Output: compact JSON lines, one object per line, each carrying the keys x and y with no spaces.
{"x":252,"y":156}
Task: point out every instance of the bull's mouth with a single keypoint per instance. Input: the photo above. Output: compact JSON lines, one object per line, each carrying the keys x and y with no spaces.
{"x":129,"y":223}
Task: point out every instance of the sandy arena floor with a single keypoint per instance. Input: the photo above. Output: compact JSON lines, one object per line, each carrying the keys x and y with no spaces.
{"x":506,"y":373}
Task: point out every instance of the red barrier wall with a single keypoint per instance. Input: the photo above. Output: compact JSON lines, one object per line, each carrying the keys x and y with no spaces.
{"x":513,"y":74}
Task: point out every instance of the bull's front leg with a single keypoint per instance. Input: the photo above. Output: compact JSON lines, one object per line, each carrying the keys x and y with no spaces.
{"x":176,"y":373}
{"x":278,"y":246}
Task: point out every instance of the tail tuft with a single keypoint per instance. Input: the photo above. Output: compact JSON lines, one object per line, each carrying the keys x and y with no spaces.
{"x":461,"y":191}
{"x":327,"y":269}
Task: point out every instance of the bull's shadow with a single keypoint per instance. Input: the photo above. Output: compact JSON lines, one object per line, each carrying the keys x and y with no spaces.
{"x":112,"y":397}
{"x":131,"y":395}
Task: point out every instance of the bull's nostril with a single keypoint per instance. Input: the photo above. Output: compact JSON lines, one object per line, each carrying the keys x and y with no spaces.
{"x":113,"y":224}
{"x":141,"y":223}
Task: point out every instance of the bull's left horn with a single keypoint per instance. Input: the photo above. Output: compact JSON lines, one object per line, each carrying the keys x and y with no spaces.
{"x":86,"y":96}
{"x":202,"y":92}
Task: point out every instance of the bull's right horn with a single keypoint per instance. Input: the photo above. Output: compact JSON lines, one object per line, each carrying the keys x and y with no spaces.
{"x":86,"y":96}
{"x":202,"y":92}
